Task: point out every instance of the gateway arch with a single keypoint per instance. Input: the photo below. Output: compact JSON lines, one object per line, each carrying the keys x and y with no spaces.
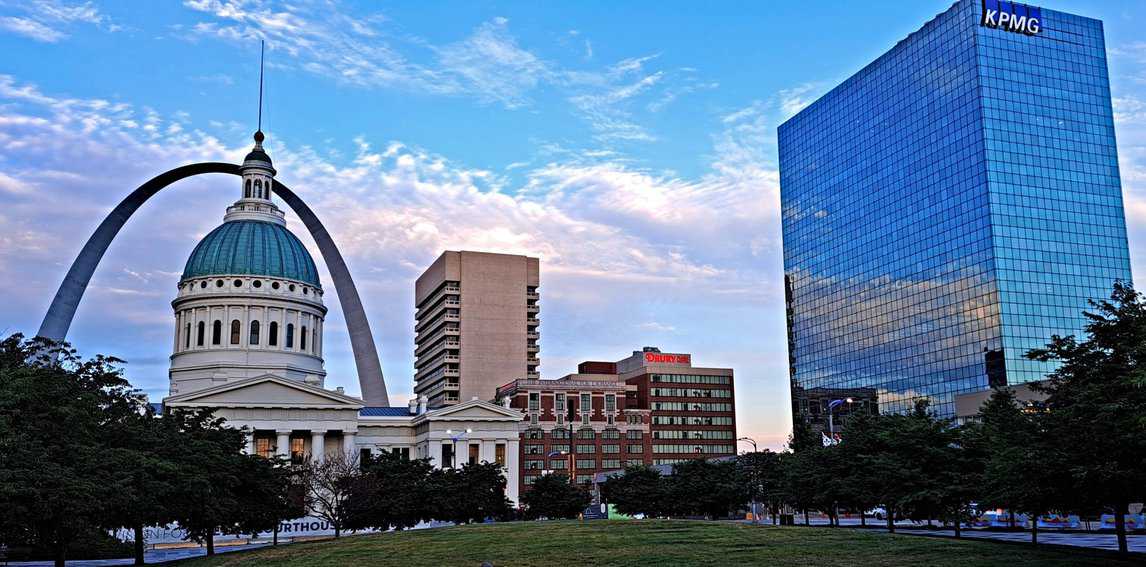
{"x":63,"y":309}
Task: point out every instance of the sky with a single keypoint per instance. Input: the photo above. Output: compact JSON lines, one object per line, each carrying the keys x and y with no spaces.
{"x":631,"y":146}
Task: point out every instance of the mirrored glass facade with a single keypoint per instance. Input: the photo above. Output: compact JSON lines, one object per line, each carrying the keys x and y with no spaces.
{"x":947,"y":208}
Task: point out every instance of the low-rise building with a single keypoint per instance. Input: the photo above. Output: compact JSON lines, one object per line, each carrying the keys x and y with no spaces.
{"x":650,"y":408}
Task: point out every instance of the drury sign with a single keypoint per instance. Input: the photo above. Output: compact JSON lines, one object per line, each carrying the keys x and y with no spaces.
{"x":1012,"y":16}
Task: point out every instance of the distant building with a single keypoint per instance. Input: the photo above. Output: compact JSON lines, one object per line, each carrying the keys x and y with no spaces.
{"x":650,"y":408}
{"x":477,"y":325}
{"x":949,"y":207}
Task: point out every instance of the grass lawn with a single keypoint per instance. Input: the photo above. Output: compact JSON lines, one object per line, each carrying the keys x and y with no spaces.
{"x":659,"y":542}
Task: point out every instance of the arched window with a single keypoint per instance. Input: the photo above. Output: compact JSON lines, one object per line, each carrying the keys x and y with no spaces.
{"x":187,"y":335}
{"x":273,"y":338}
{"x":235,"y":331}
{"x":290,"y":335}
{"x":254,"y":332}
{"x":216,"y":332}
{"x":302,"y":339}
{"x":247,"y":190}
{"x":202,"y":331}
{"x":259,"y":187}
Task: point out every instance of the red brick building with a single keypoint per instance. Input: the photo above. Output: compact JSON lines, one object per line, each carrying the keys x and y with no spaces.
{"x":650,"y":408}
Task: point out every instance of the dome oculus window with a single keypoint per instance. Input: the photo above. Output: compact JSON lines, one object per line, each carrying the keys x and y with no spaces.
{"x":257,"y":283}
{"x":219,"y":283}
{"x":274,"y":285}
{"x":238,"y":283}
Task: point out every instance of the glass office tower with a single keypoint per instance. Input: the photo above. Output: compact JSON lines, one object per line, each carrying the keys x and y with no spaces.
{"x":948,"y":207}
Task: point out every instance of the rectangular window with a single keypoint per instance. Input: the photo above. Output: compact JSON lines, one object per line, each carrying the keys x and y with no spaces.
{"x":447,"y":456}
{"x":264,"y":448}
{"x":610,"y":403}
{"x":559,"y":403}
{"x":636,"y":448}
{"x":534,"y":464}
{"x":499,"y":454}
{"x":404,"y":451}
{"x":610,"y":448}
{"x":559,"y":464}
{"x":583,"y":464}
{"x":635,"y":434}
{"x":297,"y":449}
{"x":584,"y":478}
{"x":586,"y":449}
{"x":474,"y":450}
{"x":559,"y":447}
{"x":534,"y":401}
{"x":610,"y":463}
{"x":586,"y":403}
{"x":534,"y":449}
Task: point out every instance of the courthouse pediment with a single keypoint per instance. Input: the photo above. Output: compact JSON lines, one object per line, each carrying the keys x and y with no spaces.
{"x":265,"y":391}
{"x":474,"y":410}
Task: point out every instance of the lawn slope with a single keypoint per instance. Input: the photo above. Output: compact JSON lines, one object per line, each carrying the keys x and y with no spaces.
{"x":661,"y":542}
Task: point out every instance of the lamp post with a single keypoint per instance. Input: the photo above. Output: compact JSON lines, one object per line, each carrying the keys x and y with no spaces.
{"x":832,"y":405}
{"x":755,"y":478}
{"x":454,"y":439}
{"x":552,"y":454}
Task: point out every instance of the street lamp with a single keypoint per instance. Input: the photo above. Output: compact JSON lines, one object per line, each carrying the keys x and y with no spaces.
{"x":552,"y":454}
{"x":832,"y":405}
{"x":756,"y":481}
{"x":454,"y":444}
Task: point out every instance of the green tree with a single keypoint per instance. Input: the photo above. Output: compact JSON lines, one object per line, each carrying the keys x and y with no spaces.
{"x":61,"y":418}
{"x":705,"y":488}
{"x":471,"y":493}
{"x":211,"y":466}
{"x":393,"y":493}
{"x":759,"y":473}
{"x":552,"y":496}
{"x":330,"y":485}
{"x":1096,"y":402}
{"x":640,"y":490}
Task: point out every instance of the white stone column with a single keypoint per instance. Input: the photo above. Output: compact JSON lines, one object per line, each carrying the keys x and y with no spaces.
{"x":486,"y":452}
{"x":348,"y":443}
{"x":317,"y":446}
{"x":282,"y":445}
{"x":512,"y":470}
{"x":250,"y":443}
{"x":436,"y":453}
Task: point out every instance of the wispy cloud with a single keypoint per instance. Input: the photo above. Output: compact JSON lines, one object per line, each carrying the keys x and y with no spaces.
{"x":48,"y":20}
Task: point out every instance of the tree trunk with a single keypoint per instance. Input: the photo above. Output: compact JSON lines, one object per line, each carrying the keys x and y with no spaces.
{"x":337,"y":531}
{"x":1012,"y":520}
{"x":1034,"y":529}
{"x":806,"y":521}
{"x":890,"y":520}
{"x":275,"y":536}
{"x":773,"y":516}
{"x":60,"y":555}
{"x":139,"y":544}
{"x":958,"y":527}
{"x":211,"y":543}
{"x":863,"y":519}
{"x":1120,"y":526}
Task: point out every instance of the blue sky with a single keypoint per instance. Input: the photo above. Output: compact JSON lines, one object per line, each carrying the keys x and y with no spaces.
{"x":629,"y":145}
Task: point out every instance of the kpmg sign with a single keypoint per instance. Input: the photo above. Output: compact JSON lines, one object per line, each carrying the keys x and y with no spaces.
{"x":1012,"y":16}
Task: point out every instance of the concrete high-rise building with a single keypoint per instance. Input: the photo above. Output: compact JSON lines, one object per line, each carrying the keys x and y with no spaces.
{"x":947,"y":208}
{"x":476,"y":325}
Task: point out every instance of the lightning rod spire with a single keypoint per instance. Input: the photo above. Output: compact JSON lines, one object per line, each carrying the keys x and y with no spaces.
{"x":262,"y":54}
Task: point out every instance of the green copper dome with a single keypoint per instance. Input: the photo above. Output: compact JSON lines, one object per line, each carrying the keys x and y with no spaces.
{"x":249,"y":247}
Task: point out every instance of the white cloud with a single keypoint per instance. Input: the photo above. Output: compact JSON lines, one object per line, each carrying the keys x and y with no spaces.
{"x":47,"y":20}
{"x":31,"y":29}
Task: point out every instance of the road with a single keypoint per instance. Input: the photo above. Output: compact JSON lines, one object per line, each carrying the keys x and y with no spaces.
{"x":1097,"y":540}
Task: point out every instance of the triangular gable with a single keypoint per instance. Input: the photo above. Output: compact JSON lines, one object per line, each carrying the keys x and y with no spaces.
{"x":266,"y":390}
{"x":475,"y":409}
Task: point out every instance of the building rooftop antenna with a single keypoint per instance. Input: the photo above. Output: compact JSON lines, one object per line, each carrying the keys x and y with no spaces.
{"x":262,"y":55}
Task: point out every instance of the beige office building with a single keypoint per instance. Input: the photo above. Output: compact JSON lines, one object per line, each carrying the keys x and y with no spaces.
{"x":476,"y":325}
